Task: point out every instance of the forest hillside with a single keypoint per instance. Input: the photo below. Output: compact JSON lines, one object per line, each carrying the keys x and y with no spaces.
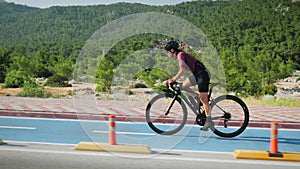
{"x":257,"y":41}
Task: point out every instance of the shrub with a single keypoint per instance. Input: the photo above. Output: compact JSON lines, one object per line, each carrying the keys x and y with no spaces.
{"x":101,"y":88}
{"x":15,"y":79}
{"x":43,"y":72}
{"x":58,"y":81}
{"x":31,"y":89}
{"x":150,"y":76}
{"x":270,"y":89}
{"x":138,"y":85}
{"x":161,"y":89}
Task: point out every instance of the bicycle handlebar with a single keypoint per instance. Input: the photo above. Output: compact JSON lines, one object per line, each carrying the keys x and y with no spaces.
{"x":175,"y":86}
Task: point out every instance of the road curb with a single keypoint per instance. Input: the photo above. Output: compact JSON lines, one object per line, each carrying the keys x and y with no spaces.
{"x":265,"y":155}
{"x":105,"y":147}
{"x":103,"y":117}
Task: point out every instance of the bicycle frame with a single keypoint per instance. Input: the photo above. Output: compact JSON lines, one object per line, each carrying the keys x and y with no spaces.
{"x":186,"y":99}
{"x":189,"y":99}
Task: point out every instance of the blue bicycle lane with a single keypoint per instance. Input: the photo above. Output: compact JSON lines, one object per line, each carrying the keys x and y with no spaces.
{"x":190,"y":138}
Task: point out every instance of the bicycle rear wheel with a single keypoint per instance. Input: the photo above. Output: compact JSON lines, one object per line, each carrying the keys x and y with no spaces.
{"x":230,"y":115}
{"x":156,"y":116}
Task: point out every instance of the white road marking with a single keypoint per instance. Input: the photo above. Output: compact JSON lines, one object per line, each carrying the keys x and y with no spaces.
{"x":18,"y":127}
{"x":128,"y":133}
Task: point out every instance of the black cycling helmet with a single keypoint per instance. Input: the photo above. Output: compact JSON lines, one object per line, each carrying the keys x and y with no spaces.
{"x":172,"y":45}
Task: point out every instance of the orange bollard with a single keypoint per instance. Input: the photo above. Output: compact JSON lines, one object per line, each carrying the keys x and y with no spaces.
{"x":112,"y":130}
{"x":274,"y":138}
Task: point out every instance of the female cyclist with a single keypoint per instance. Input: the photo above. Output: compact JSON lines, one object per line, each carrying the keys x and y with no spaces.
{"x":200,"y":77}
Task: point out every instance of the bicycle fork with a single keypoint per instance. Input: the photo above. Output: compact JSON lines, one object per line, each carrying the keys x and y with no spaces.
{"x":171,"y":105}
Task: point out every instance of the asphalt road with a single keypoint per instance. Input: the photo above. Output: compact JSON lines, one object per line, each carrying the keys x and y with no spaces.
{"x":17,"y":155}
{"x":190,"y":138}
{"x":49,"y":143}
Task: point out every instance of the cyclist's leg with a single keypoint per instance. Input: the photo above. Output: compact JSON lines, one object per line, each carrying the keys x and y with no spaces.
{"x":187,"y":83}
{"x":208,"y":123}
{"x":203,"y":79}
{"x":204,"y":101}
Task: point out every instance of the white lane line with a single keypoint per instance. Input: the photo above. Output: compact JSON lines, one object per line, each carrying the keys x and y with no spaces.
{"x":128,"y":133}
{"x":18,"y":127}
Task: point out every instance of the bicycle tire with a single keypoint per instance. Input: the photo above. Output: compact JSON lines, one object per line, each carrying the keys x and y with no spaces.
{"x":239,"y":115}
{"x":166,"y":125}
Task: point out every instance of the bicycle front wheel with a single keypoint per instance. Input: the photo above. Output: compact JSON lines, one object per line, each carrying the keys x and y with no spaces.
{"x":230,"y":115}
{"x":166,"y":115}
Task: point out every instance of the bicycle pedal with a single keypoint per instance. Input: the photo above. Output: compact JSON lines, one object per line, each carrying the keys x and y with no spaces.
{"x":200,"y":119}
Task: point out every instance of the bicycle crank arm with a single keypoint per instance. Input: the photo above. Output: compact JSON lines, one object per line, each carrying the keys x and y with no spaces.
{"x":225,"y":123}
{"x":217,"y":117}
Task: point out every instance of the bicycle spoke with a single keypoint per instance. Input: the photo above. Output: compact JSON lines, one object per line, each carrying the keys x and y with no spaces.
{"x":165,"y":115}
{"x":229,"y":115}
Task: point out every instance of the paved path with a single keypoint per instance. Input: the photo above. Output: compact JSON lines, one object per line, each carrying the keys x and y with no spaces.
{"x":37,"y":143}
{"x":36,"y":156}
{"x":92,"y":109}
{"x":65,"y":131}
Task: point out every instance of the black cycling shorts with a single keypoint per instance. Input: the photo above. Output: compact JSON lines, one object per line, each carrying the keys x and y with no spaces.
{"x":201,"y":78}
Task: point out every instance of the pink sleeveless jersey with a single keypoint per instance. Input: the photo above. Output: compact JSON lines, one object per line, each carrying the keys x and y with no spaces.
{"x":186,"y":61}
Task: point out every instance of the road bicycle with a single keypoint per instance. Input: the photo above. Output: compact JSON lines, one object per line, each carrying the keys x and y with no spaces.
{"x":167,"y":113}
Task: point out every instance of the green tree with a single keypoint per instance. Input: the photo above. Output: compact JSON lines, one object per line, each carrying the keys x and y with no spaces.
{"x":105,"y":74}
{"x":4,"y":62}
{"x":15,"y":79}
{"x":64,"y":68}
{"x":44,"y":42}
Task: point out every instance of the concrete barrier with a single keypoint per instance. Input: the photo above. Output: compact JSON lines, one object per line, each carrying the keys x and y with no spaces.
{"x":112,"y":146}
{"x":273,"y":154}
{"x":106,"y":147}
